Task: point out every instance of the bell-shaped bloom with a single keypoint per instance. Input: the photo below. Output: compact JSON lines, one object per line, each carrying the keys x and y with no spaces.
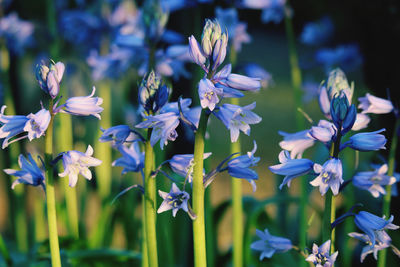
{"x":374,"y":181}
{"x":153,"y":95}
{"x":242,"y":82}
{"x":321,"y":257}
{"x":361,"y":122}
{"x":376,"y":105}
{"x":182,"y":164}
{"x":385,"y":242}
{"x":374,"y":227}
{"x":324,"y":132}
{"x":291,"y":168}
{"x":49,"y":77}
{"x":296,"y":143}
{"x":76,"y":162}
{"x":269,"y":244}
{"x":238,"y":118}
{"x":324,"y":102}
{"x":117,"y":135}
{"x":208,"y":94}
{"x":33,"y":125}
{"x":196,"y":52}
{"x":330,"y":176}
{"x":132,"y":159}
{"x":164,"y":127}
{"x":239,"y":167}
{"x":83,"y":105}
{"x":256,"y":71}
{"x":29,"y":174}
{"x":366,"y":141}
{"x":174,"y":200}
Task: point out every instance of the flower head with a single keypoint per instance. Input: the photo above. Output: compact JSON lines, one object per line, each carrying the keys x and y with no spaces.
{"x":269,"y":244}
{"x":152,"y":94}
{"x":37,"y":124}
{"x":370,"y":141}
{"x":373,"y":104}
{"x":320,"y":255}
{"x":175,"y":200}
{"x":17,"y":33}
{"x":296,"y":143}
{"x":117,"y":135}
{"x":317,"y":33}
{"x":29,"y":174}
{"x":343,"y":115}
{"x":83,"y":105}
{"x":208,"y":94}
{"x":368,"y":249}
{"x":49,"y":77}
{"x":76,"y":162}
{"x":330,"y":175}
{"x":361,"y":122}
{"x":324,"y":132}
{"x":182,"y":164}
{"x":132,"y":159}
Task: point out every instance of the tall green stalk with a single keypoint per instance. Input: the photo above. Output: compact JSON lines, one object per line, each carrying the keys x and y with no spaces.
{"x":145,"y":257}
{"x":296,"y":83}
{"x":50,"y":194}
{"x":388,"y":196}
{"x":150,"y":202}
{"x":199,"y":235}
{"x":4,"y":252}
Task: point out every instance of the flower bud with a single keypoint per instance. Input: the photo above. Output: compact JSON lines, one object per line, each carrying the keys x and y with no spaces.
{"x":196,"y":52}
{"x":337,"y":82}
{"x":343,"y":115}
{"x":152,"y":94}
{"x":49,"y":77}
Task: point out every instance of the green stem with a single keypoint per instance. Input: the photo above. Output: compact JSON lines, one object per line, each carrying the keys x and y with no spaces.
{"x":145,"y":258}
{"x":50,"y":194}
{"x":150,"y":202}
{"x":388,"y":196}
{"x":4,"y":251}
{"x":199,"y":235}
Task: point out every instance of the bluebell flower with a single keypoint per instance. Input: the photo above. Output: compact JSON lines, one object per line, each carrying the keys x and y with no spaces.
{"x":274,"y":12}
{"x":83,"y":105}
{"x":17,"y":33}
{"x":182,"y":164}
{"x":49,"y":77}
{"x":291,"y":168}
{"x":153,"y":95}
{"x":208,"y":94}
{"x":374,"y":227}
{"x":347,"y":57}
{"x":324,"y":132}
{"x":76,"y":162}
{"x":132,"y":159}
{"x":375,"y":105}
{"x":343,"y":115}
{"x":164,"y":127}
{"x":256,"y":71}
{"x":117,"y":135}
{"x":242,"y":82}
{"x":385,"y":242}
{"x":320,"y":255}
{"x":374,"y":181}
{"x":330,"y":175}
{"x":174,"y":200}
{"x":29,"y":174}
{"x":317,"y":33}
{"x":296,"y":143}
{"x":154,"y":20}
{"x":33,"y":125}
{"x":362,"y":121}
{"x":269,"y":244}
{"x":370,"y":141}
{"x":196,"y":52}
{"x":237,"y":118}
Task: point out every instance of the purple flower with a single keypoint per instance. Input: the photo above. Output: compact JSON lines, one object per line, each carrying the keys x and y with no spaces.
{"x":296,"y":143}
{"x":37,"y":124}
{"x":117,"y":135}
{"x":174,"y":200}
{"x":164,"y":127}
{"x":320,"y":255}
{"x":385,"y":242}
{"x":324,"y":132}
{"x":361,"y":122}
{"x":29,"y":174}
{"x":269,"y":244}
{"x":242,"y":82}
{"x":196,"y":52}
{"x":49,"y":78}
{"x":76,"y":162}
{"x":345,"y":56}
{"x":182,"y":164}
{"x":291,"y":168}
{"x":317,"y":33}
{"x":256,"y":71}
{"x":330,"y":175}
{"x":153,"y":95}
{"x":373,"y":104}
{"x":83,"y":105}
{"x":238,"y":118}
{"x":274,"y":11}
{"x":208,"y":94}
{"x":374,"y":181}
{"x":366,"y":141}
{"x":132,"y":159}
{"x":17,"y":33}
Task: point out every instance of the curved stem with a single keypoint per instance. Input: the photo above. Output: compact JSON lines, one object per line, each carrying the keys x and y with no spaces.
{"x":199,"y":235}
{"x":150,"y":202}
{"x":388,"y":196}
{"x":50,"y":194}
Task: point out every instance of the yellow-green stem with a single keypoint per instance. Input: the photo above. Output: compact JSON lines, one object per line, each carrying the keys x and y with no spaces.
{"x":4,"y":252}
{"x":50,"y":194}
{"x":145,"y":259}
{"x":388,"y":196}
{"x":150,"y":202}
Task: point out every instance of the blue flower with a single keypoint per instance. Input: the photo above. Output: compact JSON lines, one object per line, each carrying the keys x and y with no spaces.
{"x":153,"y":95}
{"x":296,"y":143}
{"x":374,"y":181}
{"x":76,"y":162}
{"x":208,"y":94}
{"x":330,"y":175}
{"x":317,"y":33}
{"x":343,"y":115}
{"x":324,"y":132}
{"x":256,"y":71}
{"x":362,"y":121}
{"x":49,"y":77}
{"x":346,"y":56}
{"x":132,"y":159}
{"x":182,"y":164}
{"x":17,"y":33}
{"x":37,"y":124}
{"x":269,"y":244}
{"x":320,"y":255}
{"x":117,"y":135}
{"x":366,"y":141}
{"x":242,"y":82}
{"x":196,"y":52}
{"x":291,"y":168}
{"x":175,"y":200}
{"x":374,"y":227}
{"x":385,"y":242}
{"x":164,"y":127}
{"x":274,"y":11}
{"x":83,"y":105}
{"x":237,"y":118}
{"x":376,"y":105}
{"x":29,"y":174}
